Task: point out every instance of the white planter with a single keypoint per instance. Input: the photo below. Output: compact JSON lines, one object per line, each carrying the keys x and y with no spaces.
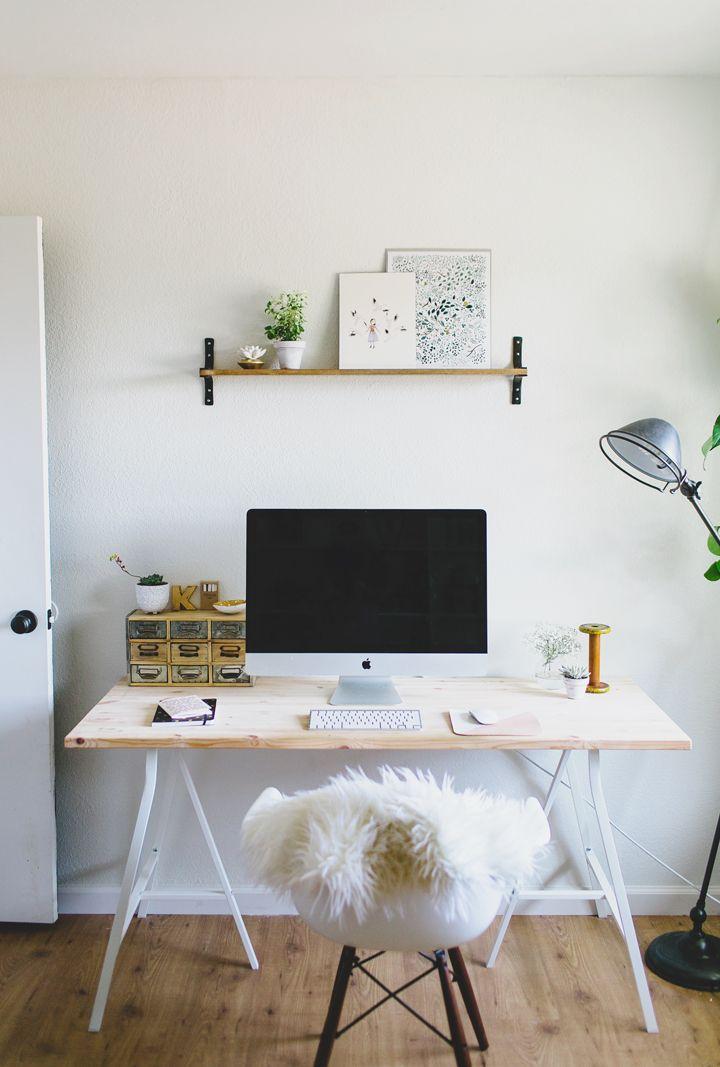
{"x":289,"y":353}
{"x":576,"y":687}
{"x":152,"y":598}
{"x":549,"y":679}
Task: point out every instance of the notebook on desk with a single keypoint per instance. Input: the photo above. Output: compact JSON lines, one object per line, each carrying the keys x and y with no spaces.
{"x":162,"y":718}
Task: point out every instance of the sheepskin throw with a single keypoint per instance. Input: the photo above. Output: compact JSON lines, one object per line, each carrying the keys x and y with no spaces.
{"x":359,"y":843}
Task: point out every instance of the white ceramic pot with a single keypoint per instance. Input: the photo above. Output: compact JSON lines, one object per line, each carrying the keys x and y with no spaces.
{"x":576,"y":687}
{"x":289,"y":354}
{"x":152,"y":598}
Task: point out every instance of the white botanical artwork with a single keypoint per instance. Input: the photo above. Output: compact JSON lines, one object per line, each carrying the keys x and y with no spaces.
{"x":452,"y":297}
{"x":377,"y":321}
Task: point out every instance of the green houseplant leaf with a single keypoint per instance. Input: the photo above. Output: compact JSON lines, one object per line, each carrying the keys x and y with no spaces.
{"x":713,"y":572}
{"x":712,"y":544}
{"x":713,"y":440}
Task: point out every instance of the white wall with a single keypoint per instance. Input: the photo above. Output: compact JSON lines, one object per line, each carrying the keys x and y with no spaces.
{"x":173,"y":209}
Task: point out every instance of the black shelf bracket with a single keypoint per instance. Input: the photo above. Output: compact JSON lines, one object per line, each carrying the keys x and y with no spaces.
{"x":210,"y":365}
{"x":516,"y":362}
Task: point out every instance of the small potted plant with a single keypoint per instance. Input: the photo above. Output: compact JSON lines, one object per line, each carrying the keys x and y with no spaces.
{"x":252,"y":357}
{"x":575,"y":676}
{"x":152,"y":591}
{"x":287,"y":313}
{"x":551,"y":641}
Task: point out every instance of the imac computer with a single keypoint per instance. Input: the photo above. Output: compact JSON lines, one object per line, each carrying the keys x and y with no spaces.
{"x":366,"y":594}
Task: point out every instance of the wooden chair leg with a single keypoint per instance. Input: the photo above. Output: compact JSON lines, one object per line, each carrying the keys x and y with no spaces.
{"x":337,"y":999}
{"x":457,"y":1034}
{"x":468,"y":994}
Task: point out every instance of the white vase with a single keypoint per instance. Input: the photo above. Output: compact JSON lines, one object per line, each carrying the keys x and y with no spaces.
{"x":152,"y":598}
{"x":548,"y":678}
{"x":289,"y":354}
{"x":576,"y":687}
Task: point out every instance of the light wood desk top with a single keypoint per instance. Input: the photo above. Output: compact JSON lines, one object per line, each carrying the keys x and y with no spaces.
{"x":273,"y":714}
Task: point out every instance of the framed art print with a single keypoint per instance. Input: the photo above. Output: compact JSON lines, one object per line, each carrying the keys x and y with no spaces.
{"x":452,"y":305}
{"x":377,"y":321}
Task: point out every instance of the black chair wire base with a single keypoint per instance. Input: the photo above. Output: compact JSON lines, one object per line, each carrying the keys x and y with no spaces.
{"x":349,"y":962}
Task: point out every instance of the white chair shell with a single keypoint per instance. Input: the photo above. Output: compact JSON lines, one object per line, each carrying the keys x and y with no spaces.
{"x":421,"y":925}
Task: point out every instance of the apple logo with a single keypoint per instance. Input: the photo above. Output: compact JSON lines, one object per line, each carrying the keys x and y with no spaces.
{"x":366,"y":664}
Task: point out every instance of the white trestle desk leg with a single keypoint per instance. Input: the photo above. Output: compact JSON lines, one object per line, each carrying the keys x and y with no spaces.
{"x":578,"y":799}
{"x":628,"y":928}
{"x":123,"y":913}
{"x":167,"y":793}
{"x":224,"y":880}
{"x":513,"y":899}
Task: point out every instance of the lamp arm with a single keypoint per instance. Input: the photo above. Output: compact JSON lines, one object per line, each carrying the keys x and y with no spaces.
{"x":691,"y":490}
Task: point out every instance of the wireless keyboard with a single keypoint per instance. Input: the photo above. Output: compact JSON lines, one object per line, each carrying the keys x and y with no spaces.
{"x":365,"y":719}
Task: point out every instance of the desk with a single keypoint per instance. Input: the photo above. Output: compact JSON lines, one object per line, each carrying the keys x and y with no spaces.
{"x":273,"y":714}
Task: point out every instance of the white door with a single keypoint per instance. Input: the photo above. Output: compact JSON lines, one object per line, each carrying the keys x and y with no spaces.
{"x":27,"y":799}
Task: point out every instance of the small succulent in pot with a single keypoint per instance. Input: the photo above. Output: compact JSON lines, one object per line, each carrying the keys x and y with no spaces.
{"x":575,"y":676}
{"x":152,"y":591}
{"x":252,"y":356}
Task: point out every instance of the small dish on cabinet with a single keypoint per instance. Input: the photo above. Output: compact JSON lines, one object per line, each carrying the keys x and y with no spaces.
{"x":230,"y":607}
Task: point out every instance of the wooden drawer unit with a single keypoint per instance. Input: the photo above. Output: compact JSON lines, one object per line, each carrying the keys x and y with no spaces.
{"x":148,"y":651}
{"x":147,"y":627}
{"x":189,"y":652}
{"x":228,"y":629}
{"x":226,"y":674}
{"x":148,"y":674}
{"x":189,"y":674}
{"x":228,"y":651}
{"x":185,"y":629}
{"x":186,"y":648}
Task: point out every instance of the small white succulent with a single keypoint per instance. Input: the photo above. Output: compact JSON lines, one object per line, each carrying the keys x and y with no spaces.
{"x":574,"y":670}
{"x":252,"y":351}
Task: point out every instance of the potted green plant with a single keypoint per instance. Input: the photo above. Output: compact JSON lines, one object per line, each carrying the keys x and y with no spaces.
{"x":575,"y":676}
{"x":287,"y":313}
{"x":152,"y":591}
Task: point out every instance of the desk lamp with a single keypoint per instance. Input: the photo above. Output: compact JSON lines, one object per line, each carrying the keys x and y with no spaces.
{"x":649,"y":451}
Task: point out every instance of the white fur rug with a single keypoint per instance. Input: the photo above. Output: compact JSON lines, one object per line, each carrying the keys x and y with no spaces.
{"x":364,"y":842}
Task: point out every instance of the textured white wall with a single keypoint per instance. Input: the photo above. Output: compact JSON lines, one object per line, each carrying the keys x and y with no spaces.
{"x":173,"y":209}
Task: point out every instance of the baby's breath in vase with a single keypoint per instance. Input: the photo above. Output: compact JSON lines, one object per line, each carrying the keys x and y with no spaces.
{"x":551,"y":641}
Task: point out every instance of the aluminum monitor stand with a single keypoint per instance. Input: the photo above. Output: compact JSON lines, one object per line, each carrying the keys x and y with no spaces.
{"x":377,"y":691}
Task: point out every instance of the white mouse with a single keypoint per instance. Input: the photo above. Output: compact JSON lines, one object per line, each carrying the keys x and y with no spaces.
{"x":484,"y":717}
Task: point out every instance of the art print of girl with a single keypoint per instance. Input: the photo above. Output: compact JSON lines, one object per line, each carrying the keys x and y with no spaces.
{"x":373,"y":333}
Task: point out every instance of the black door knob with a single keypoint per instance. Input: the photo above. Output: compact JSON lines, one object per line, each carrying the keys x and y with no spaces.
{"x":24,"y":622}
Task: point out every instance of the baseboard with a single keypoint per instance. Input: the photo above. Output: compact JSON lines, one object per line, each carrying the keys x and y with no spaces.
{"x":100,"y":900}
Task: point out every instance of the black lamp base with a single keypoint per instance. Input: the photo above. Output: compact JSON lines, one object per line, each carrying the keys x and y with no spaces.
{"x":687,"y":958}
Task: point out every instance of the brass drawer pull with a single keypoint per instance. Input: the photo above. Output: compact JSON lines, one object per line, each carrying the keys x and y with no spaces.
{"x":148,"y":650}
{"x":138,"y":628}
{"x":148,"y":672}
{"x":229,"y":651}
{"x":228,"y":630}
{"x":188,"y":650}
{"x":195,"y":628}
{"x":189,"y":672}
{"x":230,"y":672}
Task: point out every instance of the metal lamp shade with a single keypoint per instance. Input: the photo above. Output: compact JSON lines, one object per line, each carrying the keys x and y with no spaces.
{"x":650,"y":447}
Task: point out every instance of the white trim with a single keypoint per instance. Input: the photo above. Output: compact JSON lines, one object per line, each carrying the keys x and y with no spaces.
{"x":103,"y":900}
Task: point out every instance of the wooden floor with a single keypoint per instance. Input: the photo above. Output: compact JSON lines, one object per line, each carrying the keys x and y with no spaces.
{"x":561,"y":996}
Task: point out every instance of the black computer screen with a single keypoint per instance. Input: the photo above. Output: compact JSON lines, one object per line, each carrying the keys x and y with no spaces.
{"x":366,"y":581}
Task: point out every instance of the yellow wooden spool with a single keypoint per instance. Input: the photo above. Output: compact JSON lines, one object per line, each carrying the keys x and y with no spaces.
{"x":595,"y":630}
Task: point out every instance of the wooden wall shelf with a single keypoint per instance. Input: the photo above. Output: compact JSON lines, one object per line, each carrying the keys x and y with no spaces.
{"x":504,"y":372}
{"x":516,"y":371}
